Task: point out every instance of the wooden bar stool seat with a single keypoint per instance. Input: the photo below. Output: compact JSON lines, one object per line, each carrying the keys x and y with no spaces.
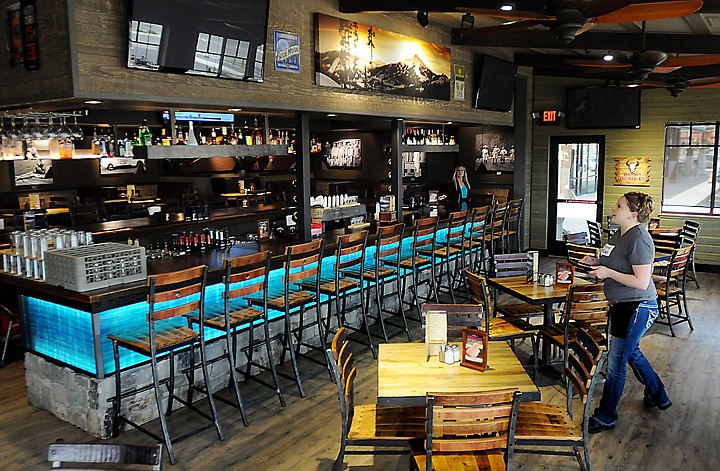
{"x":171,"y":297}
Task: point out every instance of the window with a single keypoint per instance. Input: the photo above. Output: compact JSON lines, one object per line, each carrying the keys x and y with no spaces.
{"x":691,"y":172}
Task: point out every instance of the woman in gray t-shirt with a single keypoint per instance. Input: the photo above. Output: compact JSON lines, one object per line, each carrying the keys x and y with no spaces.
{"x":625,"y":264}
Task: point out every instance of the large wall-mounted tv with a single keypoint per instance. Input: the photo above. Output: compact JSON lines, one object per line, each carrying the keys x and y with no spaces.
{"x":603,"y":107}
{"x":215,"y":38}
{"x":494,"y":83}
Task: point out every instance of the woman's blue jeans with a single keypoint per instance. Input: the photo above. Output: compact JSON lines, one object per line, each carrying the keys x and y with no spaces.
{"x":627,"y":351}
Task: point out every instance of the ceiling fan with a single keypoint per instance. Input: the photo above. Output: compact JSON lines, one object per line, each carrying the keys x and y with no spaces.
{"x":676,"y":84}
{"x":567,"y":18}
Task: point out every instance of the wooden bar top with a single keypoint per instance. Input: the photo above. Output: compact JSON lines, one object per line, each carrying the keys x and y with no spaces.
{"x":405,"y":375}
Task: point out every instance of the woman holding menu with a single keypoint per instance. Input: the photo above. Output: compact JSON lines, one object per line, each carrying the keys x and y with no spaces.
{"x":625,"y":264}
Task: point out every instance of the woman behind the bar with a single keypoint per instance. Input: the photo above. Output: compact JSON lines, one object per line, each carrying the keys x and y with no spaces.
{"x":458,"y":192}
{"x":625,"y":264}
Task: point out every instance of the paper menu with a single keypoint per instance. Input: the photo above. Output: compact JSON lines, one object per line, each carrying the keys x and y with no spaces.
{"x":435,"y":331}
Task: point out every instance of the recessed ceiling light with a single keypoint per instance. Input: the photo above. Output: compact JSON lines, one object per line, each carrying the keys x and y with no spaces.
{"x":331,"y":115}
{"x":632,"y":85}
{"x":93,"y":102}
{"x":507,"y":6}
{"x":234,"y":109}
{"x":449,"y":122}
{"x":608,"y":57}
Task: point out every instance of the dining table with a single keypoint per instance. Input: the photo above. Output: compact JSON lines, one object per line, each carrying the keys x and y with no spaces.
{"x":406,"y":375}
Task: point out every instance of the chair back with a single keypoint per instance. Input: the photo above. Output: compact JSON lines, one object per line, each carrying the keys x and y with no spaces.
{"x":244,"y":276}
{"x":60,"y":454}
{"x":595,"y":233}
{"x":389,"y":244}
{"x":498,"y":224}
{"x":471,"y":422}
{"x":425,"y":236}
{"x":478,"y":222}
{"x":514,"y":214}
{"x":666,"y":242}
{"x":459,"y":316}
{"x":576,"y":252}
{"x":691,"y":231}
{"x":585,"y":305}
{"x":350,"y":254}
{"x":582,"y":374}
{"x":302,"y":264}
{"x":455,"y":229}
{"x":341,"y":361}
{"x":676,"y":271}
{"x":480,"y":294}
{"x":510,"y":264}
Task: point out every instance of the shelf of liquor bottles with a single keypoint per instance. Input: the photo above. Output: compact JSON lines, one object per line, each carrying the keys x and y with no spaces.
{"x":193,"y":152}
{"x":429,"y":148}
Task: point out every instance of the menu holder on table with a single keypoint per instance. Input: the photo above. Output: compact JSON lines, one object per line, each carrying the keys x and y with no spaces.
{"x":533,"y":266}
{"x":435,"y":332}
{"x":474,"y":349}
{"x":564,"y":272}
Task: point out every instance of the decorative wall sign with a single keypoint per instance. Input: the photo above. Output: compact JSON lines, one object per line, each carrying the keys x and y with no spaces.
{"x":33,"y":172}
{"x":344,"y":153}
{"x":459,"y":88}
{"x":287,"y":51}
{"x":632,"y":171}
{"x":362,"y":57}
{"x":494,"y":153}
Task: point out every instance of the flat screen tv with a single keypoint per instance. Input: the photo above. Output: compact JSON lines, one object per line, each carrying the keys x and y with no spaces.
{"x":494,"y":83}
{"x":215,"y":38}
{"x":603,"y":107}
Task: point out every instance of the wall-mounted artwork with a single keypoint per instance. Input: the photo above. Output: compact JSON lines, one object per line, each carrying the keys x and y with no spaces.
{"x":362,"y":57}
{"x":33,"y":172}
{"x":494,"y":153}
{"x":634,"y":171}
{"x":344,"y":153}
{"x":116,"y":165}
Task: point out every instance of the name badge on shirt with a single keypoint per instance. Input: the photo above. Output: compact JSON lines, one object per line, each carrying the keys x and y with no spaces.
{"x":607,"y":250}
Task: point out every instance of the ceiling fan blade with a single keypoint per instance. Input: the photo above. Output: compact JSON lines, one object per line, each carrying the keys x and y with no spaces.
{"x":650,"y":11}
{"x":514,"y":14}
{"x":664,"y":70}
{"x":705,"y":82}
{"x":649,"y":84}
{"x":504,"y":28}
{"x":598,"y":63}
{"x":586,"y":27}
{"x":691,"y":61}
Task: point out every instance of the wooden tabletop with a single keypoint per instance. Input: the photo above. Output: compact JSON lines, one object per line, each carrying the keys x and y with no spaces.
{"x":531,"y":292}
{"x":405,"y":375}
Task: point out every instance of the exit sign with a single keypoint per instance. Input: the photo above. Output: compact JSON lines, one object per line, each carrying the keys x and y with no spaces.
{"x":548,"y":117}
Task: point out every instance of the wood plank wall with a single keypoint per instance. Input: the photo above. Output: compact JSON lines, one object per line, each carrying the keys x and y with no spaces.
{"x":658,"y":108}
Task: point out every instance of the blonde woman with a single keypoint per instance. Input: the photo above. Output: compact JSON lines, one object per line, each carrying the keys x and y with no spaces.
{"x":458,"y":193}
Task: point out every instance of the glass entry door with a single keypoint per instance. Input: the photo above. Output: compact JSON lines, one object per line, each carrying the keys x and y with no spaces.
{"x":576,"y":188}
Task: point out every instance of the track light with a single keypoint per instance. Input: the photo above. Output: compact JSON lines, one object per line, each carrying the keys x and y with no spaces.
{"x":422,"y":17}
{"x":467,"y":21}
{"x":608,"y":56}
{"x":507,"y":6}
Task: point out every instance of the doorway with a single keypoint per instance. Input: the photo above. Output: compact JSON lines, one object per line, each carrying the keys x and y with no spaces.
{"x":576,"y":188}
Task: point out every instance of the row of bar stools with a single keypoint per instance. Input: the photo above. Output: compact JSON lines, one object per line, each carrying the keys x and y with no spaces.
{"x":445,"y":250}
{"x":171,"y":296}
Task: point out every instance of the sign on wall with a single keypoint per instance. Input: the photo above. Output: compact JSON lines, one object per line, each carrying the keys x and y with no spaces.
{"x":287,"y":51}
{"x":459,"y":88}
{"x":355,"y":56}
{"x":632,"y":171}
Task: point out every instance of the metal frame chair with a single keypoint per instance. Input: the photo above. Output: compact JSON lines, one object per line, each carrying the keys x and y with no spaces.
{"x":513,"y":224}
{"x":595,"y":233}
{"x":446,"y":250}
{"x":368,"y":429}
{"x":473,"y":245}
{"x":543,"y":428}
{"x":171,"y":296}
{"x":468,"y":431}
{"x":690,"y":232}
{"x":671,"y":287}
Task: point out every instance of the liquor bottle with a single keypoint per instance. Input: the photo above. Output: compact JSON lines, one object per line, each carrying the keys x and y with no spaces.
{"x":95,"y":143}
{"x":247,"y":134}
{"x":233,"y":139}
{"x":191,"y":138}
{"x":257,"y":138}
{"x":213,"y":137}
{"x":144,"y":135}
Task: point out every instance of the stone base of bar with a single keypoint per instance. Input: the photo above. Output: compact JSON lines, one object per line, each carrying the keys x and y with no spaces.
{"x":84,"y":401}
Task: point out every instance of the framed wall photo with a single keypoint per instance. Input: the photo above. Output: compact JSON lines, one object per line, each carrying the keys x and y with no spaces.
{"x":474,"y":349}
{"x":564,"y":272}
{"x":344,"y":153}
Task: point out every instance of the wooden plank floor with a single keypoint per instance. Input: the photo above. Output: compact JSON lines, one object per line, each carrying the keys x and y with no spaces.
{"x":304,"y":436}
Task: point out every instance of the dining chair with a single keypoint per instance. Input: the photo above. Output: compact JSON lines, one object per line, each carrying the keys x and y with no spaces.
{"x":106,"y":455}
{"x":666,"y":242}
{"x":513,"y":224}
{"x":368,"y":429}
{"x":671,"y":286}
{"x":690,"y":232}
{"x":170,"y":297}
{"x":468,"y":431}
{"x":508,"y":328}
{"x":550,"y":429}
{"x":586,"y":307}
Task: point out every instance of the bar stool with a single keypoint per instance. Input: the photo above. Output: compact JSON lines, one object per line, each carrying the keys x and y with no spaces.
{"x":446,"y":249}
{"x":336,"y":283}
{"x":170,"y":297}
{"x":302,"y":262}
{"x":376,"y":274}
{"x":494,"y":234}
{"x":243,"y":276}
{"x":690,"y":232}
{"x":411,"y":262}
{"x":512,"y":224}
{"x":473,"y":244}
